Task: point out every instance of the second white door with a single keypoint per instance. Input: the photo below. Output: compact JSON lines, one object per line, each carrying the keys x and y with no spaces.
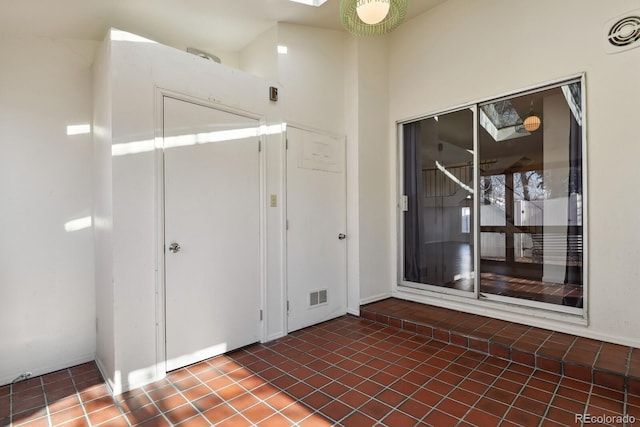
{"x":316,"y":234}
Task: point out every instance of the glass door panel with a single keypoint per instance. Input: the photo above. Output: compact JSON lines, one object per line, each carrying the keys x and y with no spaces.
{"x":531,"y":196}
{"x":438,"y":184}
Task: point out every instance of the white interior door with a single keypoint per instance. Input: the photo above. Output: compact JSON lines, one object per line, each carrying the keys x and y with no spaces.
{"x":316,"y":216}
{"x":212,"y":194}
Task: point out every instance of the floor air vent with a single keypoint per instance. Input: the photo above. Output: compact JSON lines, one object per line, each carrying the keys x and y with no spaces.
{"x":622,"y":33}
{"x":318,"y":297}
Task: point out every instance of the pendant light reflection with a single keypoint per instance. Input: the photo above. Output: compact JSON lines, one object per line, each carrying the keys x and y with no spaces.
{"x":372,"y":12}
{"x":532,"y":122}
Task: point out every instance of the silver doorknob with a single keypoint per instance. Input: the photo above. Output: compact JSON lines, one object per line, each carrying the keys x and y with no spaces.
{"x":342,"y":236}
{"x":174,"y":247}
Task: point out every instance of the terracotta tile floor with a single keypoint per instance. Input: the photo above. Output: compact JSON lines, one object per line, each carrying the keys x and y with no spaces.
{"x":348,"y":371}
{"x":605,"y":364}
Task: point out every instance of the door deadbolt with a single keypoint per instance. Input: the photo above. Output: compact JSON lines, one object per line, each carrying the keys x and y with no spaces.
{"x":174,"y":247}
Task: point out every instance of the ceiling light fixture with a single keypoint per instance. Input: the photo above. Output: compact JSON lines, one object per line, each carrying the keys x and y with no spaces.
{"x":372,"y":17}
{"x":372,"y":11}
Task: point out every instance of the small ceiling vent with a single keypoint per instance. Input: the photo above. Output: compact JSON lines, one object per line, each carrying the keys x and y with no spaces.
{"x":622,"y":33}
{"x":203,"y":54}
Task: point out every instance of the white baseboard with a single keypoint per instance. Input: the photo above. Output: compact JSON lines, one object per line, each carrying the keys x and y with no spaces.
{"x":275,"y":336}
{"x":108,"y":381}
{"x":117,"y":386}
{"x":128,"y":386}
{"x":375,"y":298}
{"x":353,"y":311}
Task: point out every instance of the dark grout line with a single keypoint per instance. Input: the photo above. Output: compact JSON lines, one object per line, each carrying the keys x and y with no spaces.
{"x":46,"y":402}
{"x":75,"y":386}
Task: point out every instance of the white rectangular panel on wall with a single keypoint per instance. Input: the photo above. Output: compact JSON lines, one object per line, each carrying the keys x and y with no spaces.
{"x":212,"y":232}
{"x":319,"y":153}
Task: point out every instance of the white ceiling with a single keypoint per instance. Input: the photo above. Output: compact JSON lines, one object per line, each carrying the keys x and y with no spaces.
{"x":226,"y":25}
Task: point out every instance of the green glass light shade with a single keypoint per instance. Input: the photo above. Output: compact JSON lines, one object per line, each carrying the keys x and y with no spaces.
{"x":352,"y":23}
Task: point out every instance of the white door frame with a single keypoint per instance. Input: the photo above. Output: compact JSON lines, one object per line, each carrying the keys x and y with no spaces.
{"x":158,"y":144}
{"x":285,"y":244}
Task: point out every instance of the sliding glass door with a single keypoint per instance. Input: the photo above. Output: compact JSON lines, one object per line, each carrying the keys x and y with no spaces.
{"x":530,"y":201}
{"x":438,"y":183}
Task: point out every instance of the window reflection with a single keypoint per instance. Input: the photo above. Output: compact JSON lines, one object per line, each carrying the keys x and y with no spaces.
{"x":531,"y":211}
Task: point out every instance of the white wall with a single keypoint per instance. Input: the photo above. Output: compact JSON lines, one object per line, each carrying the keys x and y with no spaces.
{"x":374,"y":214}
{"x":136,"y":70}
{"x":438,"y":60}
{"x":103,"y":211}
{"x":260,"y":57}
{"x":311,"y":75}
{"x":47,"y":306}
{"x":351,"y":104}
